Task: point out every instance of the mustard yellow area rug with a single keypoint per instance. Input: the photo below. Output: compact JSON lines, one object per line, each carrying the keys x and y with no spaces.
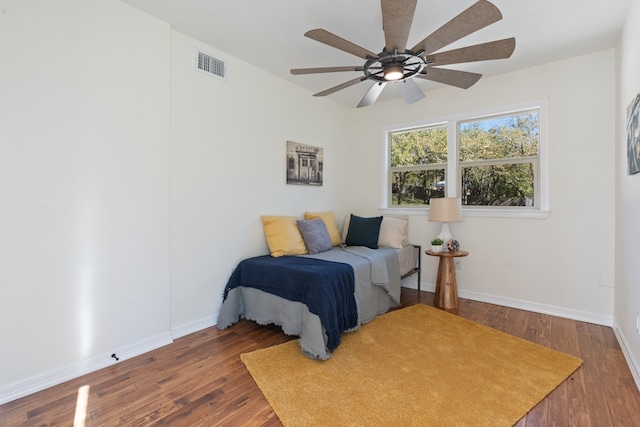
{"x":417,"y":366}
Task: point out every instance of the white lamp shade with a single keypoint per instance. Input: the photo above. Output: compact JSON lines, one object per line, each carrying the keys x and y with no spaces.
{"x":447,"y":209}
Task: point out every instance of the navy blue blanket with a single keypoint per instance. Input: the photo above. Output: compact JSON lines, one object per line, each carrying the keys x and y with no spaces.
{"x":327,"y":288}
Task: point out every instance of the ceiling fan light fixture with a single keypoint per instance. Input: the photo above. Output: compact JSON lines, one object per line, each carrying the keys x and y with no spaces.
{"x":393,"y":72}
{"x":400,"y":64}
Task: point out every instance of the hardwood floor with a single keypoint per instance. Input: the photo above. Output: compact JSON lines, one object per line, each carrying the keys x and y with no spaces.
{"x":199,"y":380}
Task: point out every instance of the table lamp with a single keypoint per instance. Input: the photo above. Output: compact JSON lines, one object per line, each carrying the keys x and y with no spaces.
{"x":445,"y":210}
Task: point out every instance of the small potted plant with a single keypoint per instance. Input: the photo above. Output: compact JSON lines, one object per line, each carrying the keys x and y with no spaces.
{"x":436,"y":245}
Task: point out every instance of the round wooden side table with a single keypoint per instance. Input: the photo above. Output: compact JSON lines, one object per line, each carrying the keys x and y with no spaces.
{"x":446,"y":297}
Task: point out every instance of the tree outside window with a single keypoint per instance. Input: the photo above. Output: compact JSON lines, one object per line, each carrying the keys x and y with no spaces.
{"x":418,"y":161}
{"x":497,"y":161}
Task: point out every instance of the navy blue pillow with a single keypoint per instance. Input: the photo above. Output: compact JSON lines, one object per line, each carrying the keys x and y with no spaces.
{"x":363,"y":231}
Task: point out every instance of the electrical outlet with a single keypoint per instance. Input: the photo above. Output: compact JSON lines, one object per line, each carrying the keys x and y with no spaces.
{"x":638,"y":323}
{"x":457,"y":264}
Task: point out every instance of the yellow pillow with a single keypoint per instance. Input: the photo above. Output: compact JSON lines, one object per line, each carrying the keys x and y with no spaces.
{"x":283,"y":235}
{"x":329,"y":220}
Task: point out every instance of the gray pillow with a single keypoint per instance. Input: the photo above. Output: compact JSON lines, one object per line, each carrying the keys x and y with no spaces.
{"x":315,"y":235}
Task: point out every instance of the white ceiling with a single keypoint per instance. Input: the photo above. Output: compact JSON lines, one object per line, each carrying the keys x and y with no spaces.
{"x":270,"y":33}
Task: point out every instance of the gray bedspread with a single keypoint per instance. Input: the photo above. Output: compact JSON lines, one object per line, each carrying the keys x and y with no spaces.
{"x":377,"y":289}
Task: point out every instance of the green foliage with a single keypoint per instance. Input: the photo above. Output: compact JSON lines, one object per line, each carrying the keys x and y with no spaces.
{"x":422,"y":147}
{"x":437,"y":242}
{"x":417,"y":148}
{"x":514,"y":137}
{"x":497,"y":140}
{"x":510,"y":184}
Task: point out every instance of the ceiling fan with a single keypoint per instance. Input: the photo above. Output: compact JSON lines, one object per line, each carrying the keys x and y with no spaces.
{"x":398,"y":64}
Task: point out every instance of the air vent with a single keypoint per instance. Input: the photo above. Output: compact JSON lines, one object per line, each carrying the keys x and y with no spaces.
{"x":210,"y":65}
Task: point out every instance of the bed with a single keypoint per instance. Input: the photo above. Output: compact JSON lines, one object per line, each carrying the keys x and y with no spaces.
{"x":318,"y":296}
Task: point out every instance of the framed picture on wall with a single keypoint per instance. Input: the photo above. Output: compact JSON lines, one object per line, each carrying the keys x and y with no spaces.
{"x":633,"y":136}
{"x":305,"y":164}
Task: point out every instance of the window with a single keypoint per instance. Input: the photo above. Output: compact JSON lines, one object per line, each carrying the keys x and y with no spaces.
{"x":498,"y":160}
{"x":418,"y":161}
{"x":495,"y":161}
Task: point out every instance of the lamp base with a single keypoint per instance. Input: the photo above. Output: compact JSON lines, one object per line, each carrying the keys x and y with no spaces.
{"x":445,"y":235}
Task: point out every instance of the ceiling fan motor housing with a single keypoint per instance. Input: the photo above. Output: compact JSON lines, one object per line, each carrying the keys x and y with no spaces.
{"x":407,"y":63}
{"x":397,"y":63}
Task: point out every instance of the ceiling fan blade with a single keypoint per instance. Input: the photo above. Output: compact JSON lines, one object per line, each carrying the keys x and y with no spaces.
{"x":499,"y":49}
{"x":397,"y":16}
{"x":372,"y":94}
{"x":469,"y":21}
{"x":340,"y":86}
{"x":410,"y":91}
{"x":461,"y":79}
{"x":324,"y":36}
{"x":297,"y":71}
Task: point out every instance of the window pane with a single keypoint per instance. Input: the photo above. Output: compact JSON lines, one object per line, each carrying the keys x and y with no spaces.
{"x":419,"y":147}
{"x":504,"y":137}
{"x":499,"y":185}
{"x":416,"y":187}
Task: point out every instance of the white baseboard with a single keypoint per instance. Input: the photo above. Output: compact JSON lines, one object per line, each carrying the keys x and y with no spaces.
{"x":410,"y":282}
{"x":569,"y":313}
{"x":74,"y":370}
{"x":194,"y":326}
{"x":58,"y":376}
{"x":634,"y":366}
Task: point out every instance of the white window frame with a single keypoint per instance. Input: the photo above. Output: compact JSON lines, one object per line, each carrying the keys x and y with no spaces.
{"x":541,"y":211}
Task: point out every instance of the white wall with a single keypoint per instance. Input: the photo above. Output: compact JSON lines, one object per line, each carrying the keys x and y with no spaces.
{"x":627,"y":296}
{"x":552,"y":264}
{"x":228,"y":151}
{"x":84,"y":185}
{"x":132,"y":184}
